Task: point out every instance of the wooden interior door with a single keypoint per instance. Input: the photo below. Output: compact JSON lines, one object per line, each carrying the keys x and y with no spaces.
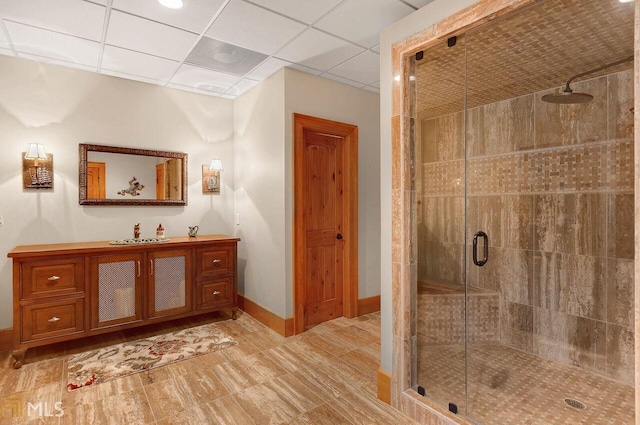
{"x":323,"y":210}
{"x":325,"y":220}
{"x":96,"y":180}
{"x":160,"y":181}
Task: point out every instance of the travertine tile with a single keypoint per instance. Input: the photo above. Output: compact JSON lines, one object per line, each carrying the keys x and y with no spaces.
{"x":562,"y":125}
{"x":620,"y":226}
{"x":572,"y":284}
{"x":128,"y":408}
{"x":223,"y":411}
{"x":620,"y":353}
{"x":237,"y":375}
{"x":517,"y":222}
{"x":321,"y":415}
{"x":621,"y":105}
{"x":620,"y":292}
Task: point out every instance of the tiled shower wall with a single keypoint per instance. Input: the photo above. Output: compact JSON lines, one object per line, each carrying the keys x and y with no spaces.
{"x":552,"y":186}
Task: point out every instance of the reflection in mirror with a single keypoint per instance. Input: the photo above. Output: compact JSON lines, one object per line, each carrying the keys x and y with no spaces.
{"x":112,"y":175}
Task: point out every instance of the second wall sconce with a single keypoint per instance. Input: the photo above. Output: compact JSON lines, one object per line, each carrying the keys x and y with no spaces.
{"x":211,"y":176}
{"x":37,"y":168}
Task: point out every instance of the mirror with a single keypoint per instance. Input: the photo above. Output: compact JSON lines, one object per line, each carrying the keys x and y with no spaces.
{"x":111,"y":175}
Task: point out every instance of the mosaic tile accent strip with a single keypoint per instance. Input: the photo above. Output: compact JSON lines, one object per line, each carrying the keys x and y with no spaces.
{"x":583,"y":168}
{"x":606,"y":166}
{"x":441,"y":318}
{"x":533,"y":387}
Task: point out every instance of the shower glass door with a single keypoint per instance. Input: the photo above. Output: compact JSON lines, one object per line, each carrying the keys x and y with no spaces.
{"x":549,"y":316}
{"x":440,"y":187}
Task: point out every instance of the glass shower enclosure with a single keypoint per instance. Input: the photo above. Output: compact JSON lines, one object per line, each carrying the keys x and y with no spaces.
{"x":525,"y":217}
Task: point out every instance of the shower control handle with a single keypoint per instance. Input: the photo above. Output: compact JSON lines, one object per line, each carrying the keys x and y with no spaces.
{"x":485,"y":256}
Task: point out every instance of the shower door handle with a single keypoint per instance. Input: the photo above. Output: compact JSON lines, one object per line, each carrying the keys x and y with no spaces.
{"x":485,"y":256}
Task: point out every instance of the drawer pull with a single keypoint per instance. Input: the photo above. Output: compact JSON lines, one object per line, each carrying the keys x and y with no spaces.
{"x":54,"y":278}
{"x":216,"y":260}
{"x":216,"y":292}
{"x":54,"y":319}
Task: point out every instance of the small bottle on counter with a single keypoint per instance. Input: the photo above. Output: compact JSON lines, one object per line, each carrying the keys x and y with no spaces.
{"x":136,"y":231}
{"x":160,"y":232}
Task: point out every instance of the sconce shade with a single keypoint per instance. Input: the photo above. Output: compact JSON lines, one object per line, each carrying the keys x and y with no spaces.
{"x":36,"y":151}
{"x":216,"y":165}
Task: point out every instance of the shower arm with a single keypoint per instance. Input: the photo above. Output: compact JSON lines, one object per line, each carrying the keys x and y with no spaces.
{"x":568,"y":89}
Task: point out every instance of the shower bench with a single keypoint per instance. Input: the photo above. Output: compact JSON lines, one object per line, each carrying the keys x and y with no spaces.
{"x":75,"y":290}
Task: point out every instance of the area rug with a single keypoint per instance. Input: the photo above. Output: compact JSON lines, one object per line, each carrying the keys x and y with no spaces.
{"x":127,"y":358}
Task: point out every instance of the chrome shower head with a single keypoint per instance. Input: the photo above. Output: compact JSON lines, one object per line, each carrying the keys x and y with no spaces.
{"x":567,"y":97}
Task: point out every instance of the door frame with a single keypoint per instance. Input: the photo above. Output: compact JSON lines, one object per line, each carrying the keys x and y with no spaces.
{"x":350,"y":211}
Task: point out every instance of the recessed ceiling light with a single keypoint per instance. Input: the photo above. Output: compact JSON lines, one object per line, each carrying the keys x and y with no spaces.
{"x":625,"y":1}
{"x":171,"y":4}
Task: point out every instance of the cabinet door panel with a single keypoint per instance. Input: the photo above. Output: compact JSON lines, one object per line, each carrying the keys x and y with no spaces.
{"x":169,"y":283}
{"x":116,"y":289}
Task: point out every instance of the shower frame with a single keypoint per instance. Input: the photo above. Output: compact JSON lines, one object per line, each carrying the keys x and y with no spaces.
{"x":404,"y":213}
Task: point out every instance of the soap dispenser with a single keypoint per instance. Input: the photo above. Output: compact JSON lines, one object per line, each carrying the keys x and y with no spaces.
{"x":160,"y":232}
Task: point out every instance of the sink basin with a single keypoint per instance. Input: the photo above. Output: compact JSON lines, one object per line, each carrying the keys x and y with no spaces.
{"x":140,"y":241}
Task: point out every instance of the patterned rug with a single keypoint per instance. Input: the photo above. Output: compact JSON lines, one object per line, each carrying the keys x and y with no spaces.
{"x":127,"y":358}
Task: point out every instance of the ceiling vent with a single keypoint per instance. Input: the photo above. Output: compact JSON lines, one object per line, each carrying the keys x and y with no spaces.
{"x":223,"y":57}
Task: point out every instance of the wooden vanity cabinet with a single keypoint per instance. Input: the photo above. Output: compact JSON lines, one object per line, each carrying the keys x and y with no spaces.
{"x":70,"y":291}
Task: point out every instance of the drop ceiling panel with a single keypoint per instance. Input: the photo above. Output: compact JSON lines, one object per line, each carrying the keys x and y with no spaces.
{"x":204,"y":79}
{"x":343,"y":80}
{"x":142,"y":35}
{"x":364,"y":68}
{"x":132,"y":77}
{"x":372,"y":89}
{"x":72,"y":17}
{"x":224,"y":57}
{"x":57,"y":62}
{"x":244,"y":85}
{"x":39,"y":42}
{"x":194,"y":90}
{"x":318,"y":50}
{"x":361,"y":21}
{"x":267,"y":68}
{"x":193,"y":16}
{"x":418,"y":3}
{"x":4,"y":43}
{"x":307,"y":11}
{"x":138,"y":64}
{"x":305,"y":69}
{"x":253,"y":27}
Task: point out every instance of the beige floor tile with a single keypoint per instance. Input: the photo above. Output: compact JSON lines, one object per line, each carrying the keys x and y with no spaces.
{"x":237,"y":375}
{"x":129,"y":408}
{"x":223,"y":411}
{"x":92,"y":393}
{"x":321,"y":415}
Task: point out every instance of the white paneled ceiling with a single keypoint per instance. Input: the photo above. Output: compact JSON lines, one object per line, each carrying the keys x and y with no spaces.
{"x":216,"y":47}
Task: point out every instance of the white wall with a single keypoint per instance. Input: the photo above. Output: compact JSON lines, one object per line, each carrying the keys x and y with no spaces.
{"x":264,"y":180}
{"x":62,"y":107}
{"x":260,"y":194}
{"x":417,"y":21}
{"x":322,"y":98}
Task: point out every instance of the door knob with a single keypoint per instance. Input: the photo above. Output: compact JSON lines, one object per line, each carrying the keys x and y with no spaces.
{"x":339,"y":236}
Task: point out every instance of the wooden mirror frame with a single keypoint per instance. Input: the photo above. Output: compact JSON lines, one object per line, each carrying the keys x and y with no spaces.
{"x":86,"y":148}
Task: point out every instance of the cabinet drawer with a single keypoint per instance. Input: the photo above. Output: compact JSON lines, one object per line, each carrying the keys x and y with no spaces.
{"x":50,"y":320}
{"x":215,"y":293}
{"x":50,"y":278}
{"x":215,"y":261}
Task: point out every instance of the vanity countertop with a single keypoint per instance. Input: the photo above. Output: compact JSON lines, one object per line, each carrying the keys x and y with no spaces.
{"x":97,"y":246}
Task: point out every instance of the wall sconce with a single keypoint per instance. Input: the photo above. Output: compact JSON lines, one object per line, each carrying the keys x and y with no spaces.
{"x":37,"y":168}
{"x":211,"y":176}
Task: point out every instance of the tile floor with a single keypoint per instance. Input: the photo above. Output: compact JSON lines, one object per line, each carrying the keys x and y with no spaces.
{"x":509,"y":387}
{"x":324,"y":376}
